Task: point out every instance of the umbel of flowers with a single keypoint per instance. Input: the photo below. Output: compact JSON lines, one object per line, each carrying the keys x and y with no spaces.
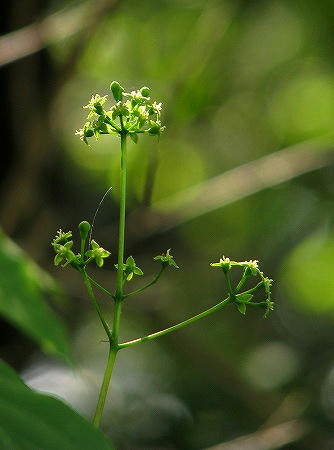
{"x":135,"y":110}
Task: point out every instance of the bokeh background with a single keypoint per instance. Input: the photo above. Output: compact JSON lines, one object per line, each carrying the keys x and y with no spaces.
{"x":244,"y":169}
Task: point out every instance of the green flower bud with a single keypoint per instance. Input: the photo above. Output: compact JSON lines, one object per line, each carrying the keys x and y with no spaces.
{"x":224,"y":263}
{"x":145,"y":91}
{"x":89,"y":133}
{"x":117,"y":91}
{"x":84,"y":228}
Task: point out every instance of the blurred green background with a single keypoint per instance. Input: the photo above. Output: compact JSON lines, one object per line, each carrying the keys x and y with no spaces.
{"x":244,"y":169}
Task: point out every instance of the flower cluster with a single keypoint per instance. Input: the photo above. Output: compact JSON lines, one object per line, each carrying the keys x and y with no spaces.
{"x":133,"y":113}
{"x":245,"y":298}
{"x":166,"y":259}
{"x":130,"y":268}
{"x":98,"y":253}
{"x":63,"y":243}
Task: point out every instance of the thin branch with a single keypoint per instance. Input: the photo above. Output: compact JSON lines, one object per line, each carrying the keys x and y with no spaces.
{"x":155,"y":279}
{"x":152,"y":336}
{"x":105,"y":325}
{"x":98,"y":285}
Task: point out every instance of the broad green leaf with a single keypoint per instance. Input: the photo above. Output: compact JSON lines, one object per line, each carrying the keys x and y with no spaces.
{"x":34,"y":421}
{"x":22,"y":302}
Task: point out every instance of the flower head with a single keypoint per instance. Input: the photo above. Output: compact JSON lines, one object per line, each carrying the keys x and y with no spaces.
{"x":223,"y":263}
{"x":98,"y":253}
{"x":133,"y":113}
{"x":130,"y":268}
{"x":166,"y":259}
{"x":64,"y":252}
{"x":95,"y":104}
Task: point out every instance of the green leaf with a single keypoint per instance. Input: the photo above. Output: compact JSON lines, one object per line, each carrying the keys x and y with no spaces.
{"x":137,"y":270}
{"x":22,"y":303}
{"x":130,"y":262}
{"x":242,"y":308}
{"x":134,"y":137}
{"x":244,"y":297}
{"x":30,"y":420}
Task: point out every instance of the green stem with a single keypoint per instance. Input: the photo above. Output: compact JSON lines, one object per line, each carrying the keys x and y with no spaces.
{"x":82,"y":249}
{"x":152,"y":336}
{"x":256,"y":303}
{"x":95,"y":303}
{"x":155,"y":279}
{"x":105,"y":386}
{"x":254,"y":289}
{"x":98,"y":285}
{"x":228,"y":283}
{"x":243,"y":280}
{"x":118,"y":297}
{"x":119,"y":286}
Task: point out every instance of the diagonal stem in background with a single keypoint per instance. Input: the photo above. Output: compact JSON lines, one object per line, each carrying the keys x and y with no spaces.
{"x":231,"y":186}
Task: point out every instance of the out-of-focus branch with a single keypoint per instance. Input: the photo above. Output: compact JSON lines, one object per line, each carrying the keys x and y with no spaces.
{"x":52,"y":29}
{"x":233,"y":185}
{"x":269,"y":439}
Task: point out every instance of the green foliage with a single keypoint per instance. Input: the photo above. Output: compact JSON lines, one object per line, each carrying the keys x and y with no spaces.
{"x":34,"y":421}
{"x":22,"y":302}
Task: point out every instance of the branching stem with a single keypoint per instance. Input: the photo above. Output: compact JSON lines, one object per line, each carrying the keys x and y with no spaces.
{"x":155,"y":279}
{"x":152,"y":336}
{"x":95,"y":303}
{"x":98,"y":285}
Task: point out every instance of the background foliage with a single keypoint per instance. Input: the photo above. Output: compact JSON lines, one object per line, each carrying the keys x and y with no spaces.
{"x":244,"y":169}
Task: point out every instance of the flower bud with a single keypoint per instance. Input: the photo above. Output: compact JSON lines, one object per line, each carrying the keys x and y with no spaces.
{"x":145,"y":91}
{"x":117,"y":91}
{"x":89,"y":133}
{"x":84,"y":228}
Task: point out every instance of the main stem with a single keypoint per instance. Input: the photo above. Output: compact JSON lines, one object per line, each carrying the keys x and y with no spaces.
{"x":114,"y":347}
{"x":119,"y":285}
{"x":105,"y":386}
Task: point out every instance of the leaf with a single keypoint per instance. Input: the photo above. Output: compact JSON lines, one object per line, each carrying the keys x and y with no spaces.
{"x":244,"y":297}
{"x":137,"y":270}
{"x":242,"y":308}
{"x":22,"y":303}
{"x":30,"y":420}
{"x":134,"y":137}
